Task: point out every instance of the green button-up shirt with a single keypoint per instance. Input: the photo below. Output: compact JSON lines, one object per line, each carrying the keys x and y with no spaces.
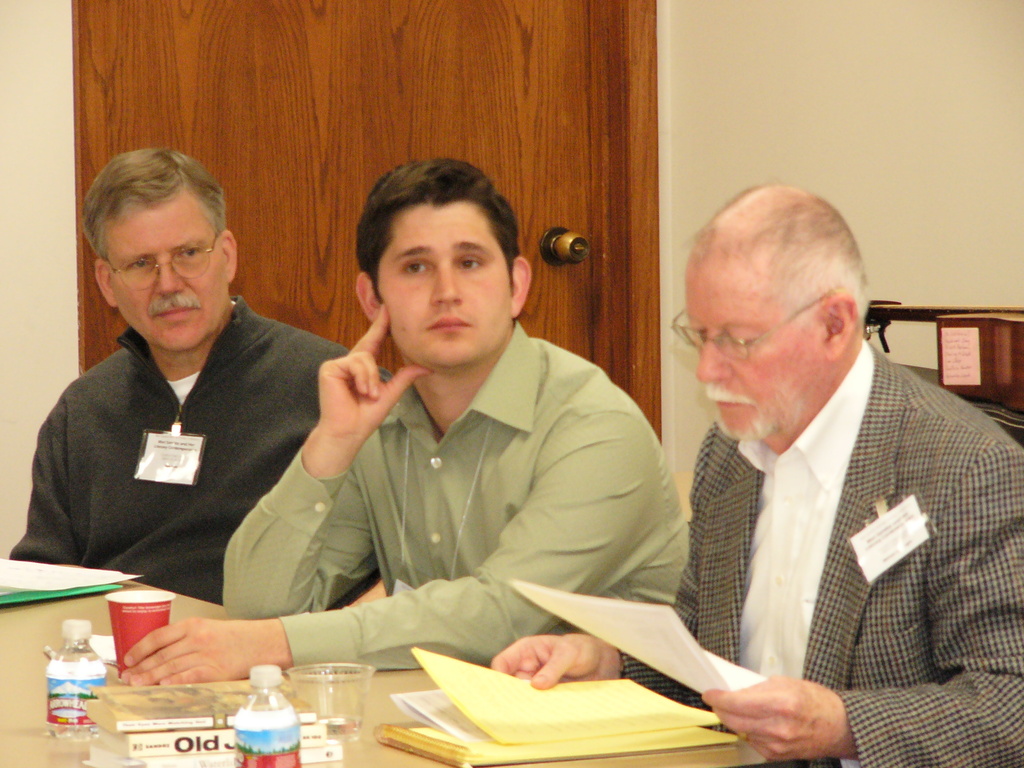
{"x":552,"y":475}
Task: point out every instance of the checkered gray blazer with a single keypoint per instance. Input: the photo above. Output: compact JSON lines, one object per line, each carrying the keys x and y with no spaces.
{"x":929,"y":660}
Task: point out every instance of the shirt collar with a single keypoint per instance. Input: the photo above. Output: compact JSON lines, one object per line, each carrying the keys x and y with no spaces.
{"x":508,"y":395}
{"x":826,"y":444}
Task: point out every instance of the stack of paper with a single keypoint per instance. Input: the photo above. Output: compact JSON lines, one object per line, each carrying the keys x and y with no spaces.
{"x":502,"y":719}
{"x":23,"y":582}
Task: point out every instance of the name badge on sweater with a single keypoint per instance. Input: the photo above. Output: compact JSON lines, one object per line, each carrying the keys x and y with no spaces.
{"x":890,"y":538}
{"x":170,"y":457}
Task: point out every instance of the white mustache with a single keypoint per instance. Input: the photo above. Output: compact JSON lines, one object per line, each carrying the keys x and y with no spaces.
{"x":719,"y":394}
{"x":173,"y":301}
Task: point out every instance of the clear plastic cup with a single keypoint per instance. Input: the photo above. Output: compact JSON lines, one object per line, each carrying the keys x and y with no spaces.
{"x":338,"y":694}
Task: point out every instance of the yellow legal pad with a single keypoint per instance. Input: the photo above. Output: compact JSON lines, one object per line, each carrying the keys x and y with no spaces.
{"x":440,"y":746}
{"x":571,"y":720}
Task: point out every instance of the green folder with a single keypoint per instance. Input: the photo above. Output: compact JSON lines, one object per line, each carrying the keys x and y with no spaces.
{"x":38,"y":595}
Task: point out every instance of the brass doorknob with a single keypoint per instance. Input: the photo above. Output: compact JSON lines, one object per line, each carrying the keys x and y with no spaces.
{"x":559,"y":246}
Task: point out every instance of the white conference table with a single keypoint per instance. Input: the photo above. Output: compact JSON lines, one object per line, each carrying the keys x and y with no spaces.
{"x":25,"y":629}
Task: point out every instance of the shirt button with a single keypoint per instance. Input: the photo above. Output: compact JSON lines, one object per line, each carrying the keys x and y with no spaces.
{"x":435,"y":538}
{"x":435,"y":462}
{"x":319,"y":506}
{"x":779,"y":580}
{"x":771,"y":661}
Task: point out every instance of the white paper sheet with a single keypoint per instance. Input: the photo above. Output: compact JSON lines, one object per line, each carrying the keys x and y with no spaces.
{"x":648,"y":632}
{"x":435,"y":709}
{"x":18,"y":576}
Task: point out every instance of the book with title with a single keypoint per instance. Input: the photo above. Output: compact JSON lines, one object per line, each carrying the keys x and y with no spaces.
{"x":127,"y":709}
{"x":206,"y":741}
{"x":99,"y":757}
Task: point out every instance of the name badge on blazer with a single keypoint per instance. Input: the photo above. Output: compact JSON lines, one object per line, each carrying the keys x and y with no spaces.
{"x":170,"y":457}
{"x":890,"y":538}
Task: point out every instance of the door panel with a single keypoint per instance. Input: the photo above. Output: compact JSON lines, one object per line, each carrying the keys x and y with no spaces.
{"x":297,"y":107}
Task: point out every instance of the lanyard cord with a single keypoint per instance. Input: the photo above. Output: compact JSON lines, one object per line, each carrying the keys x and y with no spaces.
{"x":469,"y":497}
{"x":176,"y":426}
{"x":405,"y":494}
{"x":465,"y":511}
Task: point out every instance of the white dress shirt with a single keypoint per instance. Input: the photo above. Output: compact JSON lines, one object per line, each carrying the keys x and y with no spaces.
{"x":798,"y":504}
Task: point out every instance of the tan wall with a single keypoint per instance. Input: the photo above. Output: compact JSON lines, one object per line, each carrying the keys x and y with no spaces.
{"x":908,"y":115}
{"x":38,"y":297}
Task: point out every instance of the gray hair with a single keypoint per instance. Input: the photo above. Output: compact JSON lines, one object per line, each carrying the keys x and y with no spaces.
{"x":143,"y":178}
{"x":809,"y":245}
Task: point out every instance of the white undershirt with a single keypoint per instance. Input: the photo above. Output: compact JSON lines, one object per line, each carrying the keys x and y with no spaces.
{"x":798,"y":503}
{"x":182,"y":387}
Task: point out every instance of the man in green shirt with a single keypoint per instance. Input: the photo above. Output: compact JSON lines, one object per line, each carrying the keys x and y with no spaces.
{"x":488,"y":456}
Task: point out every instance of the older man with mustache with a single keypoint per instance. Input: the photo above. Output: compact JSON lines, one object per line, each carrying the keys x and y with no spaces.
{"x":857,"y":533}
{"x":150,"y":460}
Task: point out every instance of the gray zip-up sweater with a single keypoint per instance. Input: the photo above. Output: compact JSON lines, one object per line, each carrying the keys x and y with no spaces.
{"x":255,"y":400}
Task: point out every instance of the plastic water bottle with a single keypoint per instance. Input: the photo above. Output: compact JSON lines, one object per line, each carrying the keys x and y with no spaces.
{"x":266,"y":728}
{"x":70,"y":677}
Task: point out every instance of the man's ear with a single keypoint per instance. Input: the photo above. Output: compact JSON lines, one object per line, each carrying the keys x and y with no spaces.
{"x":367,"y":295}
{"x":522,"y":274}
{"x":229,"y":248}
{"x":841,"y":321}
{"x":104,"y":274}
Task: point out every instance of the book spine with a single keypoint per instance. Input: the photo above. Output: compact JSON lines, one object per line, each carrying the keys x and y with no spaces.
{"x":166,"y":724}
{"x":192,"y":707}
{"x":307,"y":755}
{"x":101,"y":715}
{"x":194,"y":743}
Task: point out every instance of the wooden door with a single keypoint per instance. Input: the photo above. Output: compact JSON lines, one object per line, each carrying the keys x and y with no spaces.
{"x":297,"y":106}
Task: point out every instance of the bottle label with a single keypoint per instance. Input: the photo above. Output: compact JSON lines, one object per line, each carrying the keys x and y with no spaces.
{"x":270,"y":748}
{"x":290,"y":760}
{"x":67,"y":697}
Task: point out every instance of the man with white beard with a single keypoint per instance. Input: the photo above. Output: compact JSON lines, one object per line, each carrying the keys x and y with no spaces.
{"x":857,"y":534}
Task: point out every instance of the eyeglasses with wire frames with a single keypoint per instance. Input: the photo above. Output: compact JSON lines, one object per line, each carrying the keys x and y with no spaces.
{"x":729,"y":345}
{"x":187,"y":261}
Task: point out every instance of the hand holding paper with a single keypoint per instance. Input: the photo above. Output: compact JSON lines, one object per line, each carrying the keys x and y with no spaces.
{"x":651,"y":633}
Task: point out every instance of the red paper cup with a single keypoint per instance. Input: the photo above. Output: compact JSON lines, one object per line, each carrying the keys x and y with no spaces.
{"x":134,"y":613}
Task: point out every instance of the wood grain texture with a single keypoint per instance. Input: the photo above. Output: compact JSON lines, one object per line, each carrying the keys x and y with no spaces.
{"x":297,"y":106}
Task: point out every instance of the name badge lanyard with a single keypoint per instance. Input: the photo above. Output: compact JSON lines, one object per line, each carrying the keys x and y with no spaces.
{"x":172,"y":456}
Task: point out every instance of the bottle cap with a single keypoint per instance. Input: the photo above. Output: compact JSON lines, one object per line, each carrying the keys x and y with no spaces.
{"x":76,"y":629}
{"x":265,"y":676}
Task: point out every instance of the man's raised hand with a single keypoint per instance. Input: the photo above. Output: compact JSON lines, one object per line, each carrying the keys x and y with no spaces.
{"x":353,"y":402}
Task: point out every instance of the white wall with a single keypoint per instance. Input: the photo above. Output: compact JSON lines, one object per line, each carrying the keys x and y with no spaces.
{"x":38,"y":289}
{"x":908,"y":115}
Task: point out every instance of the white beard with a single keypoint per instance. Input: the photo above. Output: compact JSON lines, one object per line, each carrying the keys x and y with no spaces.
{"x":760,"y":427}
